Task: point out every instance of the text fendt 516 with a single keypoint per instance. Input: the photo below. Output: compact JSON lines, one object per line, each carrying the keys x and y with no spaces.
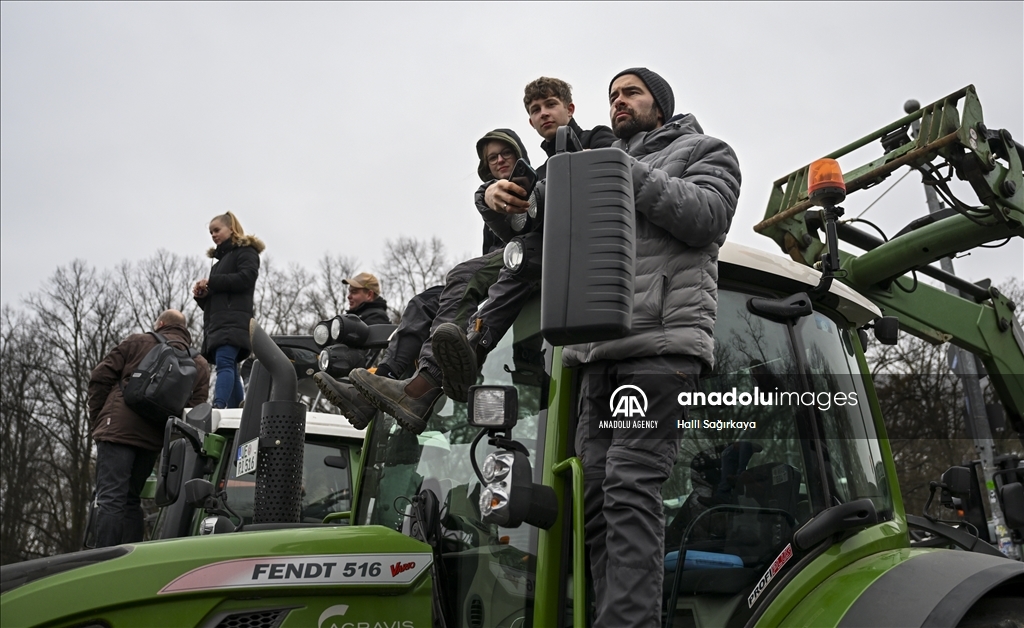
{"x":783,"y":507}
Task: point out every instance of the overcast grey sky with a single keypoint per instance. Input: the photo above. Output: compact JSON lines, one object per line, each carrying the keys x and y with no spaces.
{"x":331,"y":127}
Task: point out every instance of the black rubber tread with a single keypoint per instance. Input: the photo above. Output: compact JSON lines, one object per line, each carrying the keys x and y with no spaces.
{"x":348,"y":409}
{"x":457,"y":360}
{"x":406,"y":419}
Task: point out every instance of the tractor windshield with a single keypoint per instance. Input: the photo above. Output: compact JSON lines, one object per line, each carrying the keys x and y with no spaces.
{"x":778,"y":431}
{"x":325,"y":489}
{"x":485,"y":568}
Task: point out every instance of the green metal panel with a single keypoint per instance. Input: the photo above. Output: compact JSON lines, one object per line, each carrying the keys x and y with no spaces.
{"x":546,"y":605}
{"x":137,"y":590}
{"x":921,"y":247}
{"x":826,"y":604}
{"x":872,"y":545}
{"x":892,"y":479}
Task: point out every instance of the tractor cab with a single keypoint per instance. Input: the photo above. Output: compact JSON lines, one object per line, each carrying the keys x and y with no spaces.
{"x":781,"y":430}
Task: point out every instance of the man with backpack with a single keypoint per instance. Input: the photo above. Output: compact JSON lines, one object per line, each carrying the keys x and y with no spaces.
{"x":156,"y":372}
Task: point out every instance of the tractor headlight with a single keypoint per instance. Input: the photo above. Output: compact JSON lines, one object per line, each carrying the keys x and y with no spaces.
{"x":335,"y":328}
{"x":339,"y":360}
{"x":496,"y":466}
{"x":494,"y":504}
{"x":514,"y":255}
{"x":523,"y":254}
{"x":517,"y":222}
{"x":321,"y":333}
{"x":536,"y":208}
{"x":493,"y":407}
{"x":510,"y":497}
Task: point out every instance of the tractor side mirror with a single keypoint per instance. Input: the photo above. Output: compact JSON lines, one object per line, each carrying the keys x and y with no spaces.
{"x":958,"y":481}
{"x":335,"y":462}
{"x":887,"y":330}
{"x":1011,"y":496}
{"x":198,"y":493}
{"x":201,"y":416}
{"x":172,"y":469}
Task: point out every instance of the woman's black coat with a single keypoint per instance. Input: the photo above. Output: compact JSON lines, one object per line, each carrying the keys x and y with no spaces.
{"x":228,"y":304}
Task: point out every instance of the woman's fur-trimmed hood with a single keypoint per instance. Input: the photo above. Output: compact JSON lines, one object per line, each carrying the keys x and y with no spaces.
{"x":249,"y":240}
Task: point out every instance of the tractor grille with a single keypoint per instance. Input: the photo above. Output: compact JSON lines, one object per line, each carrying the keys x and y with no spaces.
{"x":254,"y":619}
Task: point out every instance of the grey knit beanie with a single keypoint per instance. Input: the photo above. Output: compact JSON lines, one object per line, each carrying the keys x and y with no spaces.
{"x":661,"y":90}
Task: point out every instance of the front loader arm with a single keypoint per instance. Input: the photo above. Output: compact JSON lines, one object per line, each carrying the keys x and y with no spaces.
{"x":979,"y":319}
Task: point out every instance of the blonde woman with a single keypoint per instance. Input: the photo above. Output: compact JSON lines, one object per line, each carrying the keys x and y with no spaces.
{"x":226,"y":299}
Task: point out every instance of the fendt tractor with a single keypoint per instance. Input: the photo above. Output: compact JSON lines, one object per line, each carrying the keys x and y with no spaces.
{"x":783,"y":507}
{"x":200,"y":446}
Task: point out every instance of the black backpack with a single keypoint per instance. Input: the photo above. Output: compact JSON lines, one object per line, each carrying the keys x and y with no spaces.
{"x":162,"y":384}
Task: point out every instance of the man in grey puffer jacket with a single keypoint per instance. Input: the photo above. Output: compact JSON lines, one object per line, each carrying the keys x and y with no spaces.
{"x":685,"y":186}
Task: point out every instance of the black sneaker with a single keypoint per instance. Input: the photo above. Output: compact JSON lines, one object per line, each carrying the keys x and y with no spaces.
{"x":354,"y":406}
{"x":459,"y":357}
{"x":388,"y":395}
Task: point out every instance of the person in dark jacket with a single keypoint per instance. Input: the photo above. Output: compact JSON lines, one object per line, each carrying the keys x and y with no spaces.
{"x":127,"y":445}
{"x":226,"y":299}
{"x":465,"y":286}
{"x":411,"y":402}
{"x":462,"y":349}
{"x":685,"y":187}
{"x":549,"y":103}
{"x":364,"y":299}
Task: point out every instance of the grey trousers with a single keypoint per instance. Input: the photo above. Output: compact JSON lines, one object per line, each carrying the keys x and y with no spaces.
{"x":413,"y":331}
{"x":505,"y":300}
{"x":624,"y":469}
{"x":465,"y":287}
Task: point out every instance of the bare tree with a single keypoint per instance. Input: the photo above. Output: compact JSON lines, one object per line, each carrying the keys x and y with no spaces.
{"x":1014,"y":288}
{"x":162,"y":282}
{"x":78,"y":317}
{"x":22,"y":441}
{"x":281,"y":299}
{"x":410,"y":267}
{"x":922,"y":402}
{"x":328,"y":296}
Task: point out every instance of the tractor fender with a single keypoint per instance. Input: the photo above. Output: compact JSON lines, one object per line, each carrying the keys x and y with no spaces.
{"x":934,"y":589}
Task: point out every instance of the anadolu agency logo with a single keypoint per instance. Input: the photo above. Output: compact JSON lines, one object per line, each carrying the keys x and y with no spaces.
{"x":628,"y":401}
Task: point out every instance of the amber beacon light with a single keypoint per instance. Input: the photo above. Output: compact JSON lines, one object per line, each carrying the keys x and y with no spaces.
{"x":825,"y":185}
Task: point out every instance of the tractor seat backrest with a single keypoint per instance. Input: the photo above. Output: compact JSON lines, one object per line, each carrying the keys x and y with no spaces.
{"x":773,"y":485}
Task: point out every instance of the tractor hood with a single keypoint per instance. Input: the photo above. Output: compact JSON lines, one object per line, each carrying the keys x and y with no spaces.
{"x":356,"y":572}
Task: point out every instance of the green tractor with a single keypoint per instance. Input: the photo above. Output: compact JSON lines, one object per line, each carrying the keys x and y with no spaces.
{"x":202,"y":442}
{"x":783,"y":507}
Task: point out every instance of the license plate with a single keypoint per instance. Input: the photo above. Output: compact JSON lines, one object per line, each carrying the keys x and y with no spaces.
{"x":247,"y":454}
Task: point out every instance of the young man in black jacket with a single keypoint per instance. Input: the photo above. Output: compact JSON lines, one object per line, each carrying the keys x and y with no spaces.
{"x":465,"y":286}
{"x":549,"y":103}
{"x":460,"y":354}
